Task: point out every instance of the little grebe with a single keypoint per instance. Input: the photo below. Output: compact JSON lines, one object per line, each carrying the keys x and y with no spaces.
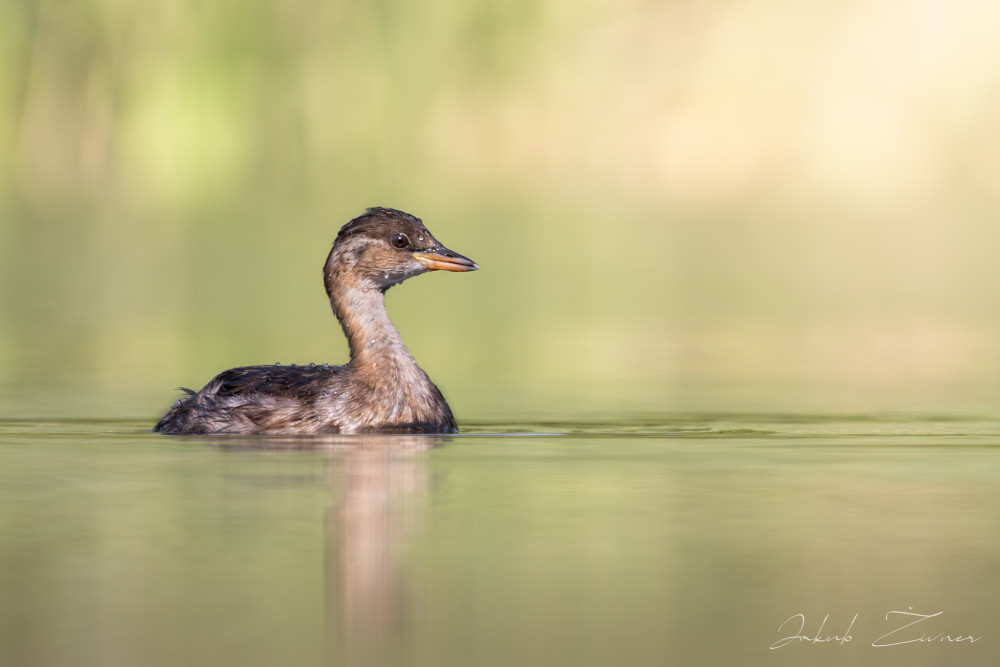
{"x":381,"y":389}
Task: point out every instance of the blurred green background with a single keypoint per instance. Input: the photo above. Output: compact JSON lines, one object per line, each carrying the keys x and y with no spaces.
{"x":676,"y":205}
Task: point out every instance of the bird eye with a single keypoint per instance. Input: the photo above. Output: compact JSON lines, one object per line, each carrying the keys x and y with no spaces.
{"x":400,"y":241}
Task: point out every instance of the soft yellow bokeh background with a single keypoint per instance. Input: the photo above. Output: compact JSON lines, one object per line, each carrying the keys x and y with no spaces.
{"x":676,"y":205}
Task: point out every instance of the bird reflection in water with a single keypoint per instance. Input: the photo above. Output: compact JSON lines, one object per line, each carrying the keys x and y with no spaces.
{"x":380,"y":490}
{"x":378,"y":487}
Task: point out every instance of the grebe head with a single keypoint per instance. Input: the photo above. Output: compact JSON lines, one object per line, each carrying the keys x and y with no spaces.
{"x":383,"y":247}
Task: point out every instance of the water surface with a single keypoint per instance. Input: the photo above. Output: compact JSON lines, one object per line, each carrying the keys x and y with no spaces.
{"x":666,"y":539}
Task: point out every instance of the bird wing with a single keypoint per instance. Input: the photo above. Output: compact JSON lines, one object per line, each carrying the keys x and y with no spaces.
{"x":292,"y":381}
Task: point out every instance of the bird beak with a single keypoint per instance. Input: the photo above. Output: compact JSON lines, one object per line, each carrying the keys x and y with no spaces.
{"x":442,"y":259}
